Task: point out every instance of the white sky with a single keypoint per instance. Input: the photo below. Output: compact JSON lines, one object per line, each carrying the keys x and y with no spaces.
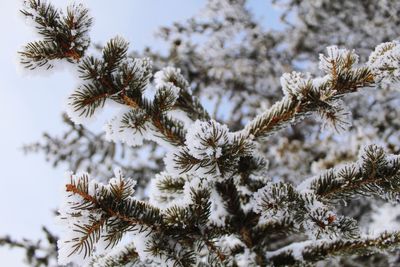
{"x":30,"y":187}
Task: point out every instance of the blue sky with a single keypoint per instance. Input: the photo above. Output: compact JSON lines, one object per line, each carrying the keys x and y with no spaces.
{"x":29,"y":105}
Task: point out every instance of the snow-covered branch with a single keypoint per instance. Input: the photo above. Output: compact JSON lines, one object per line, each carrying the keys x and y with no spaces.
{"x":215,"y":204}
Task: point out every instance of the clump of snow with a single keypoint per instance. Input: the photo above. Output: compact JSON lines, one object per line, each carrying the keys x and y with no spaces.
{"x":296,"y":249}
{"x":385,"y":63}
{"x":293,"y":83}
{"x":168,"y":91}
{"x":325,"y":218}
{"x":218,"y":212}
{"x":246,"y":258}
{"x":170,"y":75}
{"x":319,"y":81}
{"x":337,"y":57}
{"x":174,"y":90}
{"x":133,"y":126}
{"x":207,"y":142}
{"x":170,"y":162}
{"x":119,"y":179}
{"x":305,"y":186}
{"x":130,"y":130}
{"x":205,"y":139}
{"x":227,"y":242}
{"x":181,"y":116}
{"x":384,"y":218}
{"x":165,"y":199}
{"x":267,"y":201}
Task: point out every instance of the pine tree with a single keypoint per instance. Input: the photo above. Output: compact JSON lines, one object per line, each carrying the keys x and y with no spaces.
{"x":218,"y":202}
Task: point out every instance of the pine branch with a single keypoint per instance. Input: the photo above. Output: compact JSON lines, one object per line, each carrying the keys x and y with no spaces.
{"x":210,"y":149}
{"x":114,"y":52}
{"x":64,"y":37}
{"x":122,"y":79}
{"x":183,"y":233}
{"x":186,"y":101}
{"x":281,"y":202}
{"x":305,"y":96}
{"x":127,"y":211}
{"x":375,"y":174}
{"x":89,"y":97}
{"x":308,"y":252}
{"x":104,"y":213}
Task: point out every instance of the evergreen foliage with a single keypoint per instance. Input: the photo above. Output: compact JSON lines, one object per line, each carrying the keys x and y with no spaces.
{"x":222,"y":199}
{"x":65,"y":36}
